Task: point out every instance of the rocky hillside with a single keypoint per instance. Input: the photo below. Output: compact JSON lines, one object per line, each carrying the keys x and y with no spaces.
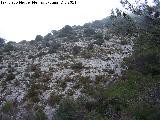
{"x":36,"y":75}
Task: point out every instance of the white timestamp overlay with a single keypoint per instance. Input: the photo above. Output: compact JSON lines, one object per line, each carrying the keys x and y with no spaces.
{"x":37,"y":2}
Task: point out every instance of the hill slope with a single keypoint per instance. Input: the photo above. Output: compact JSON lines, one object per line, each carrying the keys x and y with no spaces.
{"x":35,"y":76}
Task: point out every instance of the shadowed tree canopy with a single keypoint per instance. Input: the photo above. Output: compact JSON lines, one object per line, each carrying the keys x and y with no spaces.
{"x":66,"y":31}
{"x":2,"y":42}
{"x":89,"y":32}
{"x":9,"y":47}
{"x":39,"y":38}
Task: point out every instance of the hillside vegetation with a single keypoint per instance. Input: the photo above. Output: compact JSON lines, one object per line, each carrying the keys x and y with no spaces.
{"x":105,"y":70}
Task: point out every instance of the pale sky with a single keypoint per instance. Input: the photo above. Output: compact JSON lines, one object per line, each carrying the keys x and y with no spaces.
{"x":24,"y":22}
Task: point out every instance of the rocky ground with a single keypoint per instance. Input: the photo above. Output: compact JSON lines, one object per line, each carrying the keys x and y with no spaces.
{"x":37,"y":74}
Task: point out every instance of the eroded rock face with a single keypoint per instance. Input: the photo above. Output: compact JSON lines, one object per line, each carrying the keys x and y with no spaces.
{"x":32,"y":72}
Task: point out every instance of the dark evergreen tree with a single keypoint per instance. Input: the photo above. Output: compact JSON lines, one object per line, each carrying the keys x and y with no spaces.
{"x":39,"y":38}
{"x":2,"y":42}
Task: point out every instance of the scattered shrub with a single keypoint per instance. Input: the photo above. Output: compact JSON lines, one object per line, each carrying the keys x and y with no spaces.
{"x":68,"y":111}
{"x":62,"y":84}
{"x":9,"y":65}
{"x":107,"y":37}
{"x":99,"y":42}
{"x":86,"y":54}
{"x":110,"y":71}
{"x":84,"y":80}
{"x":33,"y":67}
{"x":89,"y":32}
{"x":2,"y":75}
{"x":10,"y":76}
{"x":36,"y":74}
{"x":36,"y":70}
{"x":90,"y":46}
{"x":1,"y":57}
{"x":70,"y":92}
{"x":40,"y":115}
{"x":98,"y":36}
{"x":46,"y":77}
{"x":76,"y":50}
{"x":100,"y":79}
{"x":17,"y":83}
{"x":54,"y":47}
{"x":54,"y":99}
{"x":16,"y":64}
{"x":93,"y":115}
{"x":11,"y":70}
{"x":26,"y":74}
{"x":40,"y":54}
{"x":124,"y":42}
{"x":33,"y":93}
{"x":77,"y":66}
{"x":7,"y":107}
{"x":88,"y":89}
{"x":30,"y":56}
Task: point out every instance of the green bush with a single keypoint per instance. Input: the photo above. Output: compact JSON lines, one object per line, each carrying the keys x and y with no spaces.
{"x":10,"y":76}
{"x":36,"y":70}
{"x":89,"y":32}
{"x":90,"y":46}
{"x":98,"y":36}
{"x":11,"y":70}
{"x":33,"y":67}
{"x":84,"y":80}
{"x":9,"y":65}
{"x":40,"y":54}
{"x":144,"y":111}
{"x":26,"y":74}
{"x":99,"y":42}
{"x":62,"y":84}
{"x":40,"y":115}
{"x":39,"y":38}
{"x":8,"y":47}
{"x":33,"y":93}
{"x":76,"y":50}
{"x":35,"y":75}
{"x":7,"y":107}
{"x":94,"y":116}
{"x":100,"y":79}
{"x":70,"y":92}
{"x":54,"y":99}
{"x":77,"y":66}
{"x":124,"y":42}
{"x":86,"y":55}
{"x":48,"y":37}
{"x":66,"y":31}
{"x":2,"y":42}
{"x":16,"y":64}
{"x":68,"y":111}
{"x":107,"y":37}
{"x":46,"y":77}
{"x":87,"y":108}
{"x":30,"y":56}
{"x":1,"y":57}
{"x":54,"y":47}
